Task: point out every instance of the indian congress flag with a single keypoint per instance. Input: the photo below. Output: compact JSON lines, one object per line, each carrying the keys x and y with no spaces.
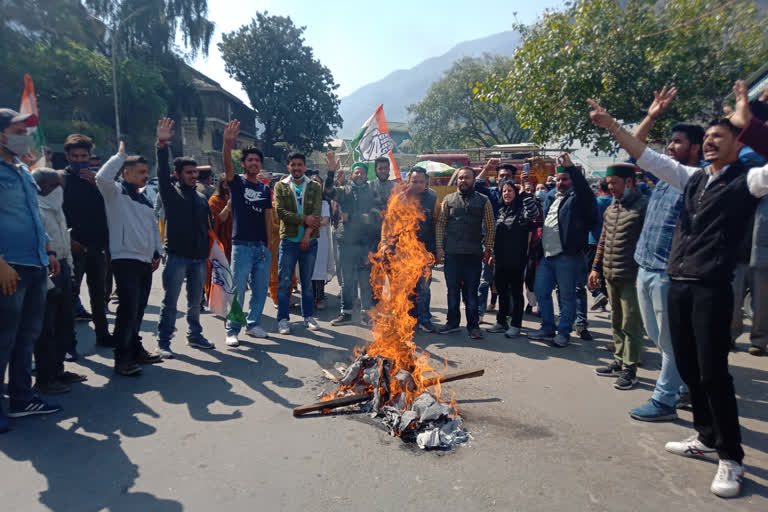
{"x":373,"y":141}
{"x":222,"y":298}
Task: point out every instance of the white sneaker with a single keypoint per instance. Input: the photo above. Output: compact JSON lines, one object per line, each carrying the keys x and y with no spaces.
{"x":512,"y":332}
{"x":256,"y":332}
{"x":691,"y":447}
{"x":311,"y":324}
{"x":283,"y":327}
{"x":728,"y":479}
{"x":232,"y":340}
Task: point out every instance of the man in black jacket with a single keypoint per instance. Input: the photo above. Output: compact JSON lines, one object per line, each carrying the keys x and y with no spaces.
{"x":187,"y":219}
{"x":570,"y":212}
{"x":717,"y":199}
{"x":87,"y":220}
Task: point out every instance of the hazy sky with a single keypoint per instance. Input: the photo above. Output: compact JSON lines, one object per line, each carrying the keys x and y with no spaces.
{"x":361,"y":42}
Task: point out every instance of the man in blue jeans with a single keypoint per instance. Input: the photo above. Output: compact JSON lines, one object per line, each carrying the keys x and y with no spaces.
{"x":299,"y":202}
{"x":25,"y":261}
{"x":652,"y":254}
{"x":463,"y":216}
{"x":252,"y":216}
{"x":187,"y":220}
{"x":569,"y":214}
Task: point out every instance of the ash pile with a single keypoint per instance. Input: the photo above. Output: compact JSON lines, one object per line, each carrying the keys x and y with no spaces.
{"x":428,"y":422}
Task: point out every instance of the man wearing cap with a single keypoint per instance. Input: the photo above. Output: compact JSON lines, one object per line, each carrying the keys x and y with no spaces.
{"x":569,"y":215}
{"x":360,"y":235}
{"x":25,"y":262}
{"x":615,"y":262}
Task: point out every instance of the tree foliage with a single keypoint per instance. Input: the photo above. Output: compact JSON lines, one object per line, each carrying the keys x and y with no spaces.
{"x":292,"y":92}
{"x":596,"y":49}
{"x":152,"y":25}
{"x":450,"y":116}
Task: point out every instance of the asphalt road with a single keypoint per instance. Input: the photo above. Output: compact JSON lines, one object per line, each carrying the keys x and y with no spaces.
{"x":213,"y":430}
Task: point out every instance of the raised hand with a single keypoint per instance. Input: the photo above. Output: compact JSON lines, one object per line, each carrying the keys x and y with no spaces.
{"x":332,"y":161}
{"x":565,"y":160}
{"x":121,"y":148}
{"x":661,"y":101}
{"x":743,"y":114}
{"x":164,"y":130}
{"x":599,"y":115}
{"x":231,"y":131}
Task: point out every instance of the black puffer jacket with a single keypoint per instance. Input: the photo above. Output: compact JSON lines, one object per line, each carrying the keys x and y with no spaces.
{"x":513,"y":225}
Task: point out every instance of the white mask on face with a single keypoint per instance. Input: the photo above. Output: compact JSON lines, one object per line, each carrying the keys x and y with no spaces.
{"x":54,"y":200}
{"x":17,"y":144}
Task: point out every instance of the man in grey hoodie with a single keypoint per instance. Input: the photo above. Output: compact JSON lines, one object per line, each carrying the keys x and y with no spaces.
{"x":135,"y":246}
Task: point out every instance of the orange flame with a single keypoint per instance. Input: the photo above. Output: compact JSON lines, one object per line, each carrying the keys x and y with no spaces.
{"x":395,"y":271}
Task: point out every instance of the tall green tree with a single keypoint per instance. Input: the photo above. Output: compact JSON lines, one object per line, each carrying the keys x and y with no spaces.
{"x":450,"y":116}
{"x":292,"y":92}
{"x":155,"y":24}
{"x":596,"y":49}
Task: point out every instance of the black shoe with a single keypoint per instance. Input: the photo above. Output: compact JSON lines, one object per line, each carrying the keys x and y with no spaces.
{"x":584,"y":333}
{"x":612,"y":370}
{"x":447,"y":329}
{"x":144,"y":357}
{"x":107,"y":341}
{"x":127,"y":368}
{"x":684,"y":401}
{"x":342,"y":319}
{"x":83,"y":316}
{"x":70,"y":377}
{"x":51,"y":387}
{"x":627,"y":378}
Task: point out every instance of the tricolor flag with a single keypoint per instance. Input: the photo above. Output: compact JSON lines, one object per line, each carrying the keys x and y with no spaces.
{"x":373,"y":141}
{"x":222,"y":298}
{"x":29,"y":106}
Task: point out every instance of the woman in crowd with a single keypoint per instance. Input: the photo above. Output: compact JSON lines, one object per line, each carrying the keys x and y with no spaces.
{"x":221,"y":211}
{"x":513,"y":225}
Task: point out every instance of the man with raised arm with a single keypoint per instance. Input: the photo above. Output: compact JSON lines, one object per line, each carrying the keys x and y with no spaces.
{"x":136,"y":247}
{"x":187,"y":221}
{"x":716,"y":198}
{"x":252,"y":216}
{"x":652,"y":256}
{"x":569,"y":215}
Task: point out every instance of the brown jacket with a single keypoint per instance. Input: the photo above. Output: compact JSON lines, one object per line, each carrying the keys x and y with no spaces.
{"x":622,"y":224}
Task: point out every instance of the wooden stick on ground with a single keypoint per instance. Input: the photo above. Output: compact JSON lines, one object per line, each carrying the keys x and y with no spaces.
{"x":356,"y":399}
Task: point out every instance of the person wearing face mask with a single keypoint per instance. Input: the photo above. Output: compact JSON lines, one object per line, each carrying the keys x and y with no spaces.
{"x":136,"y":248}
{"x":26,"y":259}
{"x":359,"y":236}
{"x":614,"y":261}
{"x":59,"y":325}
{"x":513,"y":225}
{"x":87,"y":220}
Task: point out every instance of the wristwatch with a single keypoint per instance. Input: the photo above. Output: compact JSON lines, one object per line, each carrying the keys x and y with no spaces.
{"x":52,"y":253}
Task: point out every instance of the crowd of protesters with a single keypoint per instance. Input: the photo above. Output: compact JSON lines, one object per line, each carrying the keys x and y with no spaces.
{"x":666,"y":241}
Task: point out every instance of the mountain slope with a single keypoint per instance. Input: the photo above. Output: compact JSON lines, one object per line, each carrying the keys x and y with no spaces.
{"x":405,"y":87}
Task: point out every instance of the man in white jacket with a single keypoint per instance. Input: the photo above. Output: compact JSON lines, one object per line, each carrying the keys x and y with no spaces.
{"x":135,"y":246}
{"x":58,"y":333}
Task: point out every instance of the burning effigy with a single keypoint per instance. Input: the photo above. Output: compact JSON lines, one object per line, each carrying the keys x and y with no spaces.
{"x":390,"y":376}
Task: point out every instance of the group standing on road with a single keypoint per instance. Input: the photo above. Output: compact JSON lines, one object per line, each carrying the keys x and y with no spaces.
{"x":659,"y":243}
